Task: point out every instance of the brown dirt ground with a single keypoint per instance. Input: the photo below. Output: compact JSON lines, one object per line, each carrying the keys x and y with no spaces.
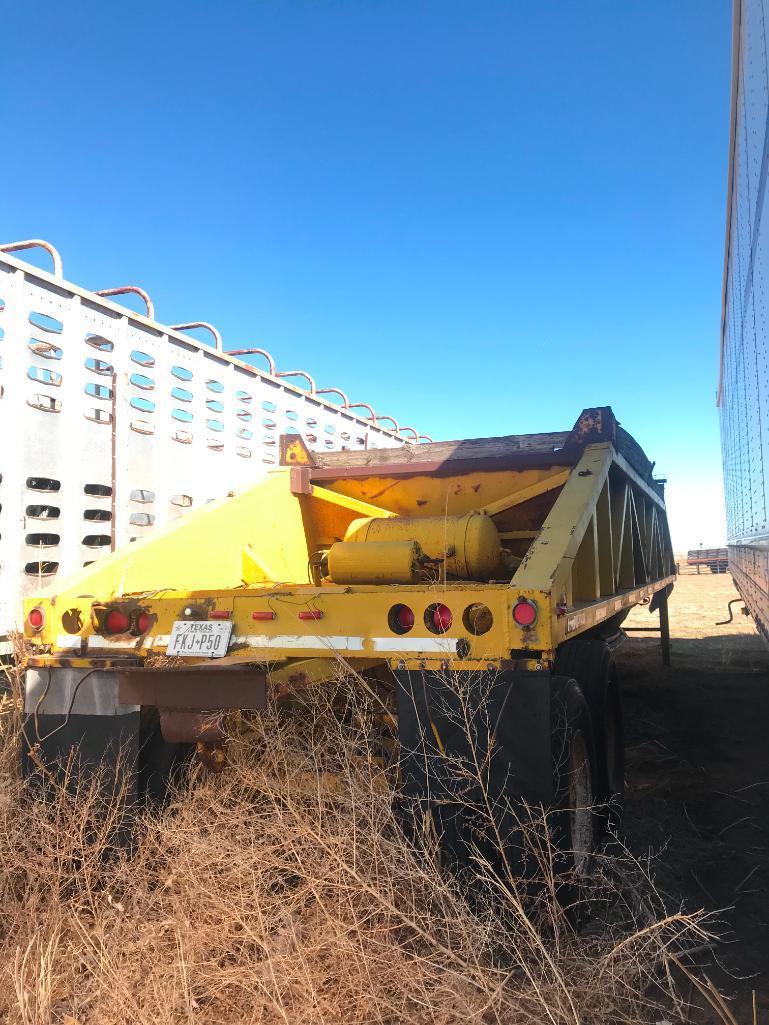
{"x":697,"y":736}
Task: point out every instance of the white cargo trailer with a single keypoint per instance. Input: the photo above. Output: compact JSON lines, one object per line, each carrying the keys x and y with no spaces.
{"x":112,"y":424}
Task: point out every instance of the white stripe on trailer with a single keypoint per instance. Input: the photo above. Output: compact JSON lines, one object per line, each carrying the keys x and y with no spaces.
{"x":442,"y":645}
{"x":301,"y":641}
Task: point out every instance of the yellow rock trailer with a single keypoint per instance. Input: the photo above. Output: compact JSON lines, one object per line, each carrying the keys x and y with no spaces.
{"x":480,"y":584}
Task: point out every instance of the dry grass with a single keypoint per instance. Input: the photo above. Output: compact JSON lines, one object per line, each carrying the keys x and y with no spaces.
{"x":284,"y":891}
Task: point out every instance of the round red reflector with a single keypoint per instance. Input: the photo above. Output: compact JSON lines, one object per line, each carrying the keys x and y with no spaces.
{"x":116,"y":622}
{"x":405,"y":617}
{"x":143,"y":622}
{"x":36,"y":618}
{"x":525,"y":612}
{"x":442,"y":618}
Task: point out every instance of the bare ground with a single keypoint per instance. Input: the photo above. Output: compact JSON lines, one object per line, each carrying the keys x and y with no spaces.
{"x":698,"y":773}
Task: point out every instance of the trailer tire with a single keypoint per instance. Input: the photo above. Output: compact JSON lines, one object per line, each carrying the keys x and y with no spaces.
{"x":574,"y":829}
{"x":591,"y":664}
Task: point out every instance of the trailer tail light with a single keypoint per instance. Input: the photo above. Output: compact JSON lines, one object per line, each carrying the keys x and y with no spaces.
{"x":438,"y":618}
{"x":263,"y":615}
{"x":400,"y":619}
{"x":36,"y":619}
{"x":116,"y":622}
{"x":219,"y":614}
{"x":442,"y":618}
{"x":311,"y":614}
{"x":143,"y":622}
{"x":525,"y":612}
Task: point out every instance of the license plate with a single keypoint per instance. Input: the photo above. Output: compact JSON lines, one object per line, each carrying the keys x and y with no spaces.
{"x":199,"y":637}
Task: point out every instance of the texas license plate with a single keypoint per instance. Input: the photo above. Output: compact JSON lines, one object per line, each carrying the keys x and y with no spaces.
{"x":199,"y":637}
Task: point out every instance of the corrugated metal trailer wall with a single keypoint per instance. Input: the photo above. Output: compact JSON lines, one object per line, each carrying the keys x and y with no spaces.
{"x":743,"y":392}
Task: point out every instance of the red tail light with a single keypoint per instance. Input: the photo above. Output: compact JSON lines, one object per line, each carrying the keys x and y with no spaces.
{"x":143,"y":622}
{"x":442,"y":618}
{"x":525,"y":612}
{"x":36,"y":619}
{"x":405,"y":617}
{"x":262,"y":615}
{"x":219,"y":614}
{"x":116,"y":622}
{"x":311,"y":614}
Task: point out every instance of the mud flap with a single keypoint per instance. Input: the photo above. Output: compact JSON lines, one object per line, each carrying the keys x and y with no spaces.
{"x":74,"y":726}
{"x":476,"y":756}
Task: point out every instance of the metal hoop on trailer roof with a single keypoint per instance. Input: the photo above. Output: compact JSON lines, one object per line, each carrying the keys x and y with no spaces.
{"x":36,"y":243}
{"x":202,"y":324}
{"x":298,"y":373}
{"x":255,"y":352}
{"x":134,"y":290}
{"x":363,"y":405}
{"x":335,"y":391}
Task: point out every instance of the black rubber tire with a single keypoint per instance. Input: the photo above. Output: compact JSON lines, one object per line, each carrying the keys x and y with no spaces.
{"x":591,"y":664}
{"x":575,"y":829}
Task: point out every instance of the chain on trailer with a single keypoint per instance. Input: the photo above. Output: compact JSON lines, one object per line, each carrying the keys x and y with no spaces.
{"x":112,"y":424}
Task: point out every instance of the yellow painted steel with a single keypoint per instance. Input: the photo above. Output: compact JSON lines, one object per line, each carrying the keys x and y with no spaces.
{"x":375,"y":562}
{"x":592,"y":538}
{"x":468,"y":547}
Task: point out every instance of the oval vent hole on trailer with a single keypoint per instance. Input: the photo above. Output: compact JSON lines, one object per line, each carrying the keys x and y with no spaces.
{"x":97,"y":540}
{"x":142,"y":358}
{"x":183,"y":501}
{"x":142,"y":381}
{"x":183,"y":437}
{"x":43,"y":512}
{"x":142,"y":404}
{"x":99,"y":416}
{"x":312,"y":438}
{"x":100,"y":515}
{"x":181,"y":414}
{"x":45,"y":349}
{"x":215,"y":406}
{"x":181,"y":394}
{"x":330,"y":429}
{"x":311,"y":421}
{"x":43,"y":484}
{"x":142,"y":427}
{"x":215,"y":444}
{"x":268,"y":406}
{"x":243,"y":451}
{"x":243,"y":414}
{"x":141,"y":519}
{"x":215,"y":386}
{"x":245,"y":434}
{"x":292,"y":415}
{"x":243,"y":396}
{"x":215,"y":425}
{"x":182,"y":373}
{"x":98,"y":391}
{"x":99,"y":490}
{"x":143,"y":496}
{"x":99,"y":342}
{"x":46,"y":323}
{"x":98,"y":366}
{"x":41,"y":375}
{"x":41,"y":569}
{"x":42,"y":540}
{"x":269,"y":423}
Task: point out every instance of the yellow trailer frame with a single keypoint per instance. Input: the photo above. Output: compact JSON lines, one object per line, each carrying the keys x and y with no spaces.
{"x":601,"y":547}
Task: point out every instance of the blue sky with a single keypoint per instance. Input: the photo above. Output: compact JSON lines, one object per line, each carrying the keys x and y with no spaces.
{"x":480,"y":217}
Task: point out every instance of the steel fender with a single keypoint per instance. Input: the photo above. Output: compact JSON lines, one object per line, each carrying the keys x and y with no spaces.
{"x":75,"y":724}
